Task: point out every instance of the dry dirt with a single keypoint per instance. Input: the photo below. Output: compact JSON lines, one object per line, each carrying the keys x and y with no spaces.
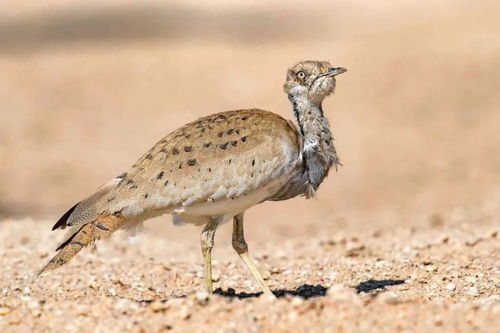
{"x":439,"y":275}
{"x":404,"y":237}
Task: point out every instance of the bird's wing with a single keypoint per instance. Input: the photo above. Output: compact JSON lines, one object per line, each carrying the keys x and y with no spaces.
{"x":222,"y":156}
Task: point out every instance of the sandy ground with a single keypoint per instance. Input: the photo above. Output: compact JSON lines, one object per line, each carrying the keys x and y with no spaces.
{"x":404,"y":237}
{"x":439,"y":275}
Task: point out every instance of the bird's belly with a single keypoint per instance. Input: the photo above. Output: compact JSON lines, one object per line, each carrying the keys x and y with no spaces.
{"x":227,"y":206}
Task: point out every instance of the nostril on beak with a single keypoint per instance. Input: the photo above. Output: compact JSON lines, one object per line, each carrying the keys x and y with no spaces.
{"x":336,"y":70}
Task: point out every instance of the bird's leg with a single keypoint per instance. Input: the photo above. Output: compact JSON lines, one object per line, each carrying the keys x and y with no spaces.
{"x":241,"y":247}
{"x":207,"y":243}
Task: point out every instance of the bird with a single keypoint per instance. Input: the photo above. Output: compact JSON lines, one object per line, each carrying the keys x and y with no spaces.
{"x":213,"y":169}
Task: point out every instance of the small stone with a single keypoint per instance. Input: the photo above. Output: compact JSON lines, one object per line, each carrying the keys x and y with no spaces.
{"x":473,"y":291}
{"x":158,"y":306}
{"x":353,"y":247}
{"x":297,"y":301}
{"x":112,"y":291}
{"x":340,"y":293}
{"x":266,"y":275}
{"x":389,"y":298}
{"x":184,"y":313}
{"x":430,"y":268}
{"x":451,"y":286}
{"x":215,"y":277}
{"x":470,"y":279}
{"x":202,"y":296}
{"x":292,"y":316}
{"x":332,"y":276}
{"x":4,"y":311}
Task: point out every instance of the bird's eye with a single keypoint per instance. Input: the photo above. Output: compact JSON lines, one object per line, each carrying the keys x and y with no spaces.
{"x":301,"y":75}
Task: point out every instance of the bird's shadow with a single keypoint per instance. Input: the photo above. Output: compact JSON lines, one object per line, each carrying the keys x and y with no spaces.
{"x":308,"y":291}
{"x":370,"y":285}
{"x":305,"y":291}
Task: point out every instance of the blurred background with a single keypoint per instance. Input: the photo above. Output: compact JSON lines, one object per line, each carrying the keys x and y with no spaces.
{"x":87,"y":86}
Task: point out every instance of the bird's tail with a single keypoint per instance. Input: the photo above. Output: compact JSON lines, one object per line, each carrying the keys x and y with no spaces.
{"x":80,"y":236}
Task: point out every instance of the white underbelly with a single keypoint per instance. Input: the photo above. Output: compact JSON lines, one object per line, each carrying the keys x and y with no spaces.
{"x":227,"y":206}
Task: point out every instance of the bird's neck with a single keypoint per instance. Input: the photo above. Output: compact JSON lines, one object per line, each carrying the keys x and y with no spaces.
{"x":319,"y":151}
{"x":313,"y":124}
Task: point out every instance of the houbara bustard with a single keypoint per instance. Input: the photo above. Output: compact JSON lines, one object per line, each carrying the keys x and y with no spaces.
{"x":214,"y":169}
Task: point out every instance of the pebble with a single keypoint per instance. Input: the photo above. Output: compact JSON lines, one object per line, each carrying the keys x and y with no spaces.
{"x":389,"y":298}
{"x":352,"y":247}
{"x":331,"y":275}
{"x":4,"y":311}
{"x":451,"y":286}
{"x":340,"y":293}
{"x":292,"y":316}
{"x":430,"y":268}
{"x":158,"y":306}
{"x":472,"y":291}
{"x":184,"y":313}
{"x":470,"y":279}
{"x":112,"y":291}
{"x":202,"y":296}
{"x":297,"y":301}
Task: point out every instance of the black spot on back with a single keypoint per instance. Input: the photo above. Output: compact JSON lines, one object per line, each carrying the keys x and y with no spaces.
{"x":102,"y":227}
{"x":191,"y":162}
{"x":160,"y":175}
{"x":175,"y":151}
{"x":230,"y":131}
{"x":122,"y":176}
{"x":224,"y":145}
{"x":187,"y":149}
{"x":234,"y":143}
{"x":208,"y":144}
{"x":243,"y":139}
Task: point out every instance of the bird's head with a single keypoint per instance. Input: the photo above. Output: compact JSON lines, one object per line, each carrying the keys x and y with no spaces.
{"x":313,"y":80}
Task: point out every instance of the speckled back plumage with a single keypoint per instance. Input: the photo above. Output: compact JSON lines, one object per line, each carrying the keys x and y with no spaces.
{"x":222,"y":156}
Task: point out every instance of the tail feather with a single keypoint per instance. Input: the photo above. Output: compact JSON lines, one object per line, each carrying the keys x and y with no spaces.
{"x":79,"y":237}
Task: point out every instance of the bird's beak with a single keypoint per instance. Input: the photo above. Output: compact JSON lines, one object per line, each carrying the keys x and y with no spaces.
{"x":336,"y":71}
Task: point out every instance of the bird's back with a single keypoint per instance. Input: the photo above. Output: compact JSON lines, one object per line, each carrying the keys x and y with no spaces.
{"x":224,"y":156}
